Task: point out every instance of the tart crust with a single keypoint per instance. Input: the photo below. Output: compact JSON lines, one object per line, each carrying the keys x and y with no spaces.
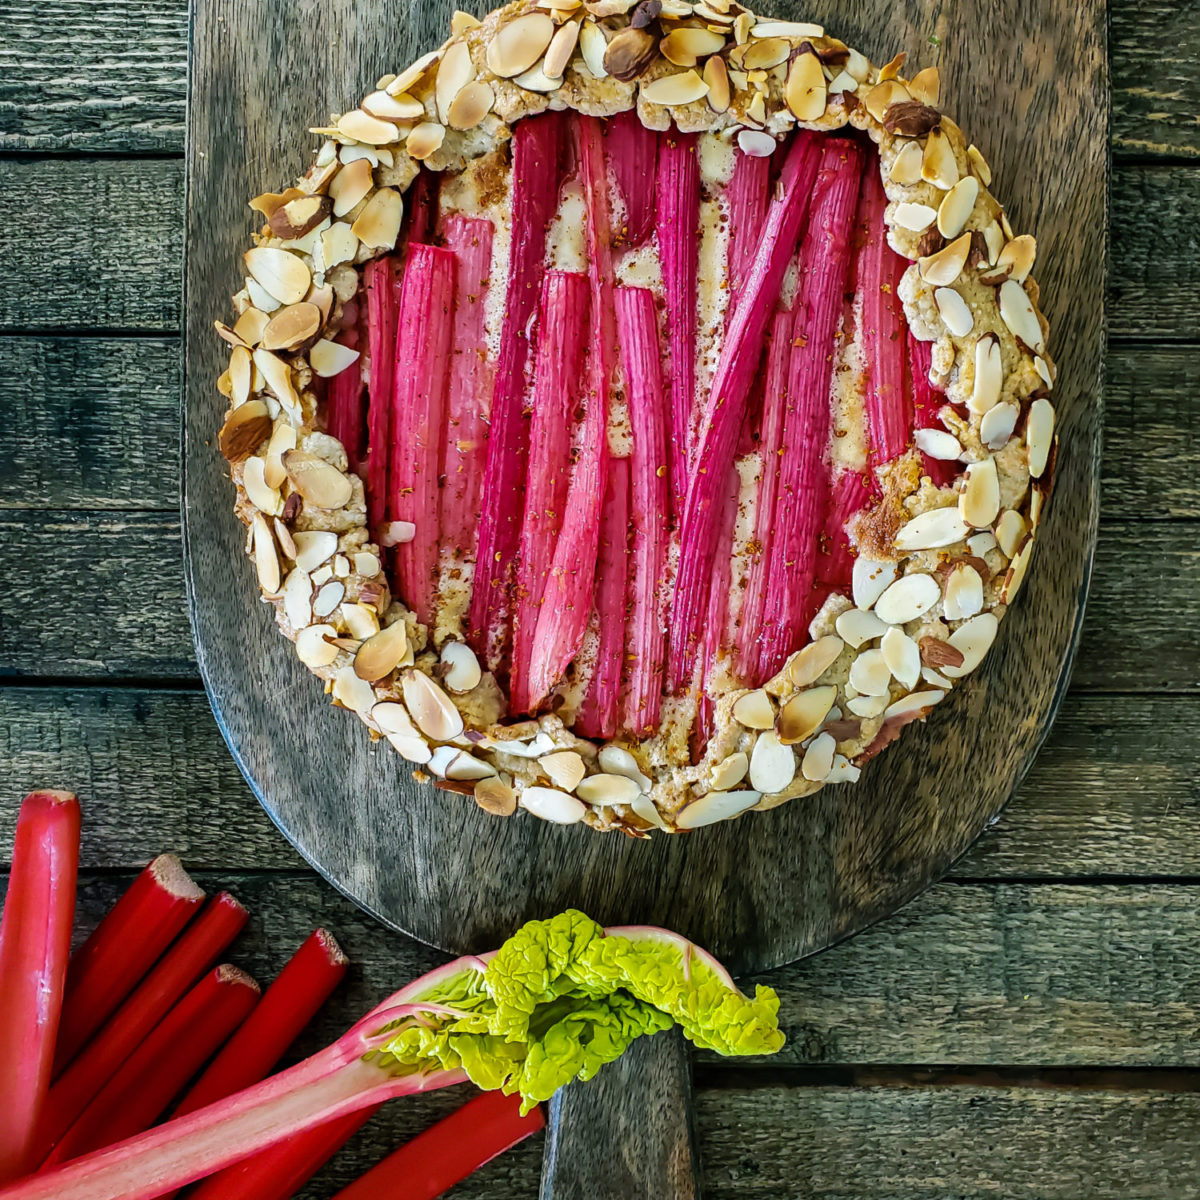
{"x":968,"y":289}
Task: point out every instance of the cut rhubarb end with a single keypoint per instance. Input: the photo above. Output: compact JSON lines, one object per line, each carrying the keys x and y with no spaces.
{"x":35,"y":942}
{"x":746,"y":196}
{"x":927,"y":403}
{"x":423,"y":339}
{"x":537,"y":151}
{"x":630,"y":149}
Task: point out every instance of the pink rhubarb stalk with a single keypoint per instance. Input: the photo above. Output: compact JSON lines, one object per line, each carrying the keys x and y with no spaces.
{"x":471,"y":378}
{"x":598,"y":715}
{"x":568,"y":597}
{"x":631,"y":150}
{"x":746,"y":197}
{"x":381,"y":278}
{"x":423,"y":335}
{"x":35,"y":943}
{"x":849,"y":493}
{"x":637,"y":330}
{"x":802,"y":491}
{"x":775,"y":403}
{"x":877,"y":273}
{"x":558,"y":385}
{"x":343,"y":402}
{"x":537,"y":150}
{"x":726,"y":404}
{"x":678,"y":218}
{"x":927,"y":402}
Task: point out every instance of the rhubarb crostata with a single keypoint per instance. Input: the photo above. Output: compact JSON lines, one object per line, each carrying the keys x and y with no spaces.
{"x":640,"y":412}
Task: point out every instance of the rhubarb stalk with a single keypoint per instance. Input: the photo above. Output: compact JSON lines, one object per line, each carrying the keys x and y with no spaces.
{"x":567,"y":600}
{"x":678,"y":220}
{"x":726,"y":404}
{"x":849,"y":493}
{"x":381,"y":278}
{"x":471,"y":378}
{"x":418,"y":421}
{"x":195,"y":951}
{"x":801,"y":499}
{"x":927,"y":402}
{"x":598,"y":714}
{"x":537,"y":148}
{"x":558,"y":385}
{"x":637,"y":330}
{"x":122,"y":948}
{"x":878,"y":270}
{"x":343,"y":402}
{"x":631,"y":149}
{"x":35,"y":944}
{"x":746,"y":197}
{"x":158,"y":1070}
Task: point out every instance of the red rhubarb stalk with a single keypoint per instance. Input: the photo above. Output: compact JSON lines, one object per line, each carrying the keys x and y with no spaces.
{"x":122,"y":948}
{"x":343,"y":402}
{"x":746,"y":196}
{"x":158,"y":1070}
{"x":471,"y":378}
{"x":598,"y":714}
{"x":558,"y":384}
{"x":637,"y":333}
{"x":849,"y":493}
{"x":801,"y":499}
{"x":195,"y":951}
{"x":877,"y":273}
{"x":631,"y":150}
{"x":35,"y":944}
{"x":446,"y":1153}
{"x":726,"y":404}
{"x":775,"y":403}
{"x":678,"y":218}
{"x":537,"y":150}
{"x":381,"y":278}
{"x":421,"y":207}
{"x":299,"y":990}
{"x":927,"y":402}
{"x":423,"y":337}
{"x":569,"y":586}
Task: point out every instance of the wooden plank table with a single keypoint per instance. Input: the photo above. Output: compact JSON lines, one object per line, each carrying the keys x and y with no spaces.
{"x":1026,"y":1029}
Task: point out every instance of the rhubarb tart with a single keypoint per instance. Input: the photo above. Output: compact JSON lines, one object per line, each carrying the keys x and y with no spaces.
{"x":640,"y":412}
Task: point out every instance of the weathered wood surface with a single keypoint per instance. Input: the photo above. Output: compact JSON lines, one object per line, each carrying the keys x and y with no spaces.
{"x":114,"y":77}
{"x":1115,"y":792}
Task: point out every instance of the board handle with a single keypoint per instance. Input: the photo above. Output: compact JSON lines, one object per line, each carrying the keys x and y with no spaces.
{"x":628,"y":1133}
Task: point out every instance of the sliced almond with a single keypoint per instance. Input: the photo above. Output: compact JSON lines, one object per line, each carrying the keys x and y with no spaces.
{"x":466,"y":767}
{"x":729,"y":771}
{"x":259,"y":296}
{"x":883,"y":95}
{"x":818,"y":758}
{"x":378,"y":225}
{"x":906,"y":166}
{"x":607,"y":789}
{"x":989,"y":374}
{"x":495,"y":797}
{"x":716,"y":75}
{"x":245,"y":429}
{"x":536,"y":80}
{"x":1039,"y":435}
{"x":913,"y":707}
{"x":687,"y":45}
{"x":314,"y":547}
{"x":361,"y":620}
{"x":331,"y":358}
{"x":392,"y":108}
{"x":282,"y":274}
{"x":338,"y":245}
{"x":266,"y":499}
{"x":278,"y":377}
{"x":328,"y":597}
{"x":756,"y":143}
{"x":320,"y":483}
{"x":565,"y":768}
{"x":1011,"y":529}
{"x":972,"y":639}
{"x":1016,"y":572}
{"x":517,"y":45}
{"x":944,"y":267}
{"x":916,"y":217}
{"x":856,"y":626}
{"x":925,"y":86}
{"x":964,"y":593}
{"x":366,"y":564}
{"x":351,"y":692}
{"x":266,"y":557}
{"x":471,"y":105}
{"x":867,"y":707}
{"x":314,"y":647}
{"x":937,"y":443}
{"x":805,"y":92}
{"x":993,"y":237}
{"x":297,"y":598}
{"x":910,"y":597}
{"x":1017,"y":257}
{"x":431,"y":708}
{"x":300,"y":216}
{"x":616,"y":760}
{"x":350,"y":186}
{"x":360,"y":126}
{"x":552,"y":805}
{"x":249,"y":326}
{"x":869,"y":579}
{"x":772,"y":764}
{"x":283,"y":438}
{"x":562,"y":46}
{"x":806,"y":666}
{"x":938,"y":164}
{"x":870,"y":674}
{"x":979,"y":165}
{"x":979,"y":544}
{"x":716,"y":806}
{"x":954,"y":311}
{"x":754,"y":710}
{"x":903,"y":657}
{"x":804,"y":714}
{"x":593,"y":45}
{"x":998,"y":424}
{"x":454,"y":72}
{"x":392,"y":718}
{"x":1017,"y":312}
{"x":957,"y":206}
{"x":283,"y":535}
{"x":764,"y":53}
{"x":684,"y":88}
{"x":460,"y":668}
{"x":381,"y":654}
{"x":787,"y":29}
{"x":931,"y":530}
{"x":407,"y":79}
{"x":292,"y":327}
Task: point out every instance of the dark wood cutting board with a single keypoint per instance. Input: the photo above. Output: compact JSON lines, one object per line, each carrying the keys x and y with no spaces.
{"x":1027,"y":81}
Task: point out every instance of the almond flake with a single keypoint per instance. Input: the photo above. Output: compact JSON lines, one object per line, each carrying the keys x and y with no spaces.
{"x":382,"y":653}
{"x":685,"y":46}
{"x":266,"y":557}
{"x":883,"y":95}
{"x":406,"y":80}
{"x":906,"y":166}
{"x":756,"y":143}
{"x":1011,"y":529}
{"x":314,"y":547}
{"x":684,"y":88}
{"x":249,"y":326}
{"x":805,"y":92}
{"x":979,"y":165}
{"x":925,"y":86}
{"x":858,"y":625}
{"x":517,"y":45}
{"x":903,"y":657}
{"x":972,"y":639}
{"x":431,"y":708}
{"x":351,"y":692}
{"x":616,"y":760}
{"x":279,"y":272}
{"x":471,"y":105}
{"x":536,"y":80}
{"x":278,"y":377}
{"x":998,"y":424}
{"x":804,"y":714}
{"x":466,"y":767}
{"x":1017,"y":256}
{"x":361,"y":620}
{"x":938,"y":164}
{"x":244,"y":431}
{"x":766,"y":52}
{"x":297,"y":598}
{"x":1017,"y":312}
{"x":754,"y":710}
{"x":937,"y":443}
{"x":869,"y":673}
{"x":608,"y":789}
{"x":562,"y":46}
{"x":787,"y":29}
{"x":320,"y":483}
{"x":1016,"y":572}
{"x":714,"y":807}
{"x":843,"y":81}
{"x":916,"y":217}
{"x":964,"y":593}
{"x":550,"y":804}
{"x":266,"y":499}
{"x":954,"y":311}
{"x":806,"y":666}
{"x":1039,"y":435}
{"x":495,"y":797}
{"x":867,"y":706}
{"x":915,"y":705}
{"x":979,"y":502}
{"x":944,"y":267}
{"x":378,"y":225}
{"x":326,"y":601}
{"x":931,"y":530}
{"x":313,"y":647}
{"x":360,"y":126}
{"x":292,"y":327}
{"x":772,"y":764}
{"x":908,"y":598}
{"x":565,"y":768}
{"x":818,"y":758}
{"x":460,"y":668}
{"x":338,"y":245}
{"x":592,"y":45}
{"x":956,"y":206}
{"x":454,"y":72}
{"x":989,"y":374}
{"x":869,"y":579}
{"x":729,"y":771}
{"x":331,"y":358}
{"x":350,"y":186}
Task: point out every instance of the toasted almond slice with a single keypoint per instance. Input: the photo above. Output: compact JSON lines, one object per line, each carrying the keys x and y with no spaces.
{"x":979,"y":544}
{"x":818,"y":758}
{"x":461,"y":671}
{"x":496,"y":797}
{"x":903,"y":657}
{"x":944,"y":267}
{"x":913,"y":706}
{"x":1017,"y":312}
{"x":729,"y":771}
{"x":265,"y":499}
{"x":517,"y":45}
{"x":266,"y":557}
{"x":714,"y":807}
{"x":320,"y":483}
{"x":328,"y":597}
{"x":245,"y":429}
{"x":350,"y":186}
{"x":392,"y":718}
{"x":407,"y":79}
{"x":297,"y":599}
{"x":937,"y":443}
{"x":299,"y":217}
{"x":993,"y":236}
{"x":283,"y":438}
{"x":314,"y":647}
{"x":391,"y":108}
{"x":431,"y":708}
{"x":1039,"y":435}
{"x":331,"y":358}
{"x":249,"y":326}
{"x":906,"y":166}
{"x":616,"y":760}
{"x":536,"y":80}
{"x":366,"y":564}
{"x":804,"y":714}
{"x":471,"y":105}
{"x":716,"y":76}
{"x":956,"y":206}
{"x":805,"y":92}
{"x":869,"y":578}
{"x":228,"y":335}
{"x":454,"y":72}
{"x":869,"y":673}
{"x":464,"y":766}
{"x":282,"y":274}
{"x":883,"y":95}
{"x":964,"y":593}
{"x":954,"y":311}
{"x":278,"y":376}
{"x":683,"y":88}
{"x":972,"y":639}
{"x":772,"y":764}
{"x":378,"y":225}
{"x":756,"y":110}
{"x":917,"y":217}
{"x":938,"y":165}
{"x":259,"y":296}
{"x":382,"y":653}
{"x":925,"y":86}
{"x":562,"y":46}
{"x":857,"y":626}
{"x":338,"y":244}
{"x":843,"y":771}
{"x":1015,"y":575}
{"x":931,"y":530}
{"x":787,"y":29}
{"x":360,"y":126}
{"x":979,"y":165}
{"x":351,"y":692}
{"x":843,"y":81}
{"x":989,"y":374}
{"x":867,"y":706}
{"x":1018,"y":255}
{"x":764,"y":53}
{"x":910,"y":597}
{"x":292,"y":327}
{"x":592,"y":45}
{"x":687,"y":45}
{"x":361,"y":620}
{"x":607,"y":789}
{"x":550,"y":804}
{"x":754,"y":710}
{"x":565,"y":768}
{"x":806,"y":666}
{"x":998,"y":424}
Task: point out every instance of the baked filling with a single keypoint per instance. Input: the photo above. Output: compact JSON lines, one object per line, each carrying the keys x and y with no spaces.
{"x":640,"y":413}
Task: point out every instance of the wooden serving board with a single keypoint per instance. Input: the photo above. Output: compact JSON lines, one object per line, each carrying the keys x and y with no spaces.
{"x":1027,"y":81}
